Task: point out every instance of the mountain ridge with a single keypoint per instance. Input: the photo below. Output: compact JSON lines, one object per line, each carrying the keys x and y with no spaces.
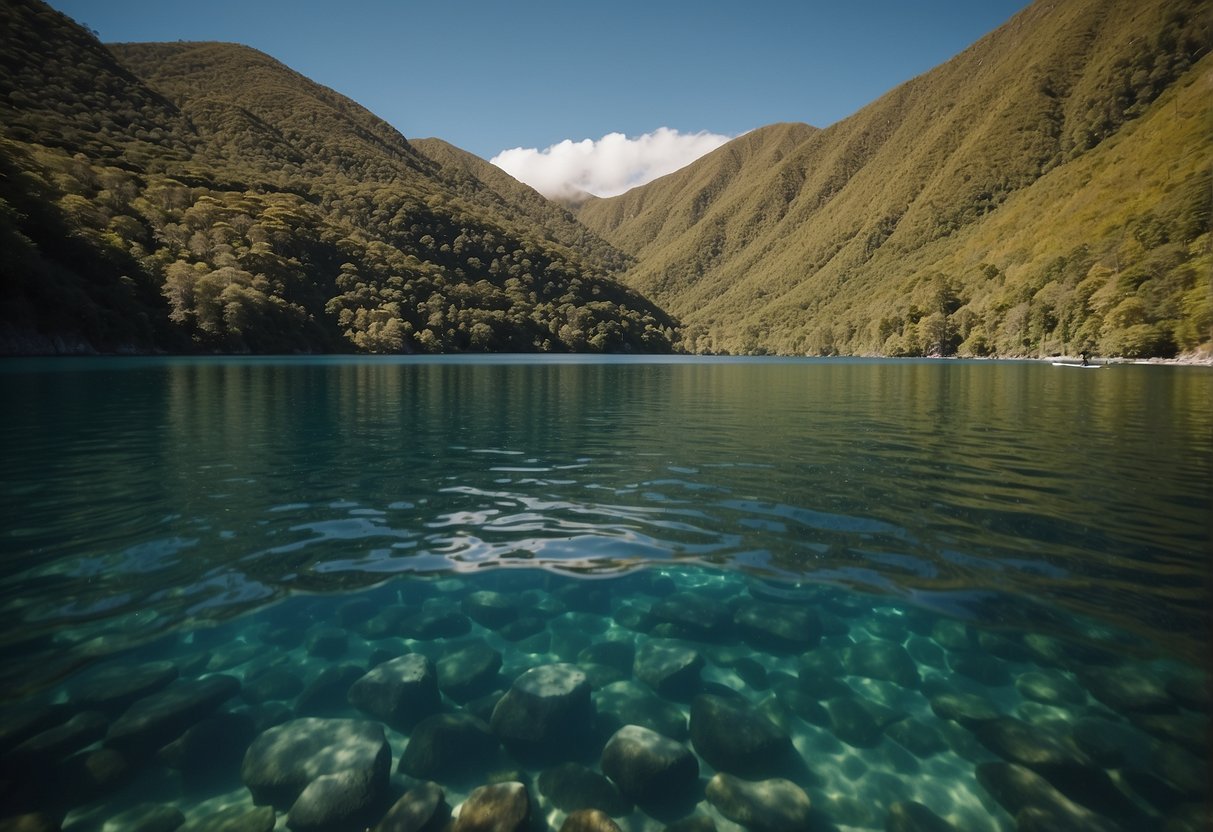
{"x":926,"y":161}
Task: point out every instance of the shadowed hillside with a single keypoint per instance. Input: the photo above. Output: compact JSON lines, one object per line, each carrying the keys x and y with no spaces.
{"x":186,"y":197}
{"x":1045,"y":191}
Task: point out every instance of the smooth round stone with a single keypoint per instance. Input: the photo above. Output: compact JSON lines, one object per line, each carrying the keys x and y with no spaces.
{"x":19,"y":724}
{"x":385,"y":623}
{"x":91,"y":775}
{"x":774,"y":805}
{"x":29,"y":822}
{"x":523,"y":628}
{"x":329,"y":691}
{"x":547,"y":710}
{"x":490,"y":609}
{"x":283,"y":760}
{"x":925,"y":651}
{"x":228,"y":656}
{"x":114,"y":688}
{"x":734,"y":737}
{"x":271,"y":684}
{"x":1029,"y":745}
{"x":327,"y":643}
{"x":1003,"y":646}
{"x":918,"y":737}
{"x":420,"y":809}
{"x":589,"y":820}
{"x":881,"y":660}
{"x":669,"y":667}
{"x":1190,"y":688}
{"x":469,"y":672}
{"x":146,"y":817}
{"x":914,"y":817}
{"x":693,"y":615}
{"x":572,"y":786}
{"x":1017,"y":788}
{"x":778,"y":626}
{"x":985,"y":670}
{"x":1049,"y":687}
{"x":80,"y":731}
{"x":630,"y":703}
{"x":234,"y":819}
{"x":443,"y":744}
{"x":1186,"y":772}
{"x":887,"y":627}
{"x":156,"y":720}
{"x":617,"y":654}
{"x":503,"y":807}
{"x":215,"y":744}
{"x":820,"y":662}
{"x":331,"y":802}
{"x":1128,"y":689}
{"x":821,"y":686}
{"x":858,"y":722}
{"x":951,"y":635}
{"x":428,"y":625}
{"x":1189,"y":730}
{"x":401,"y":692}
{"x":648,"y":767}
{"x":752,"y":673}
{"x":966,"y":708}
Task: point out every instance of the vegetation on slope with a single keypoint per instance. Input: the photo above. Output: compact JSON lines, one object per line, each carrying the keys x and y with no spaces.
{"x":204,"y":197}
{"x":1045,"y":191}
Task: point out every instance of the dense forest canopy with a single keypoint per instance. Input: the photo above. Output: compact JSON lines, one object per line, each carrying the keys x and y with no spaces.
{"x":187,"y":197}
{"x":1046,"y":191}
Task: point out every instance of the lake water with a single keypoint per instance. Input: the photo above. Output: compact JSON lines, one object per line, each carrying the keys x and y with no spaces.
{"x":979,"y":590}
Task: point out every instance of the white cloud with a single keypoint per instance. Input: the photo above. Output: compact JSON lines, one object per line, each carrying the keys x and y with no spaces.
{"x":608,"y":166}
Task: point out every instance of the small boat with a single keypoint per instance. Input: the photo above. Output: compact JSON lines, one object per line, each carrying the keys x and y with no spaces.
{"x":1077,"y":366}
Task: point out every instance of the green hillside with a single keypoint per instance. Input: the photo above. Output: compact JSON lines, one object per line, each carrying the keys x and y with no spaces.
{"x":1045,"y":191}
{"x":194,"y":197}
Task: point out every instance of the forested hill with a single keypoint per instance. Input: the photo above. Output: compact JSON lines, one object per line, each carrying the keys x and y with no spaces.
{"x":203,"y":197}
{"x":1045,"y":191}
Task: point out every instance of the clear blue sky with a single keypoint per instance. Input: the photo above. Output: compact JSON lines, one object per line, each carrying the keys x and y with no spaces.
{"x":487,"y":75}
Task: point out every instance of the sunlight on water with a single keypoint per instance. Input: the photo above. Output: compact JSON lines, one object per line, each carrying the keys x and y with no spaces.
{"x":897,"y":565}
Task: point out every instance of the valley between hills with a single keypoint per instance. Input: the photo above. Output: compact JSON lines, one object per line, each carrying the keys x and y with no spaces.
{"x":1047,"y":191}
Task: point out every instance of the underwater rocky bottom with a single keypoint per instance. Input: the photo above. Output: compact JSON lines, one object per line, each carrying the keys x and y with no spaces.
{"x":675,"y":699}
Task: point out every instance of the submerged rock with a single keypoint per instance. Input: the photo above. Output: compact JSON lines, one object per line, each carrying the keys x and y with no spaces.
{"x":778,"y":626}
{"x":156,"y":720}
{"x":503,"y":807}
{"x":401,"y":692}
{"x":630,"y":703}
{"x":547,"y":711}
{"x":858,"y":722}
{"x":271,"y":684}
{"x":234,"y":819}
{"x":983,"y":669}
{"x":113,"y":689}
{"x":420,"y":809}
{"x":589,"y":820}
{"x":282,"y":761}
{"x":618,"y":654}
{"x":1128,"y":689}
{"x":327,"y":643}
{"x":1050,"y":687}
{"x":329,"y":691}
{"x":348,"y":799}
{"x":42,"y":749}
{"x":910,"y":816}
{"x":444,"y":744}
{"x":89,"y":776}
{"x":435,"y":623}
{"x":468,"y":672}
{"x":917,"y":736}
{"x":146,"y":817}
{"x":648,"y":767}
{"x":881,"y":660}
{"x":775,"y":805}
{"x":212,"y":748}
{"x":734,"y":737}
{"x":490,"y":609}
{"x":1017,"y":789}
{"x":669,"y":667}
{"x":968,"y":709}
{"x":19,"y":724}
{"x":692,"y":616}
{"x":1029,"y":745}
{"x":572,"y":786}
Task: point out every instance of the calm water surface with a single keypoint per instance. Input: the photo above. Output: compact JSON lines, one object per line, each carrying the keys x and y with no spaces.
{"x":143,"y":499}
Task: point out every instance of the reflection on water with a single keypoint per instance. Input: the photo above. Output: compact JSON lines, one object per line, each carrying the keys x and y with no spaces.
{"x":139,"y":494}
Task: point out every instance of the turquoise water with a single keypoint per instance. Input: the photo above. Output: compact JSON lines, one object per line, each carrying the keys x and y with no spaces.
{"x":846,"y":546}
